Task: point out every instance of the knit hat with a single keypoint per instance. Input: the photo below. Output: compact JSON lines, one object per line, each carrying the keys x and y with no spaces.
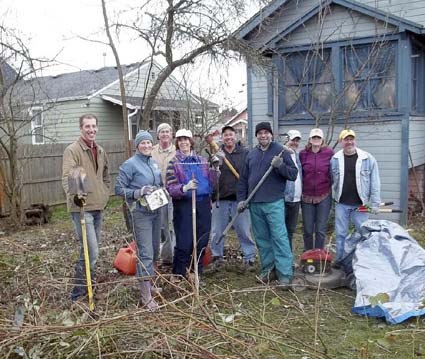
{"x":163,"y":126}
{"x":263,"y":126}
{"x":142,"y":135}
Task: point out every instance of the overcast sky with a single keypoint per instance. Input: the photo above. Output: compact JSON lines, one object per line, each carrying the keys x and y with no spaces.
{"x":55,"y":28}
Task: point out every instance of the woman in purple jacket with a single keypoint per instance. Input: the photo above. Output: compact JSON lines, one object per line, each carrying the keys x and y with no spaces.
{"x":316,"y":189}
{"x":188,"y":172}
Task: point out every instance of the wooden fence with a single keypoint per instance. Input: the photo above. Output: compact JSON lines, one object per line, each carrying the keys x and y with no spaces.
{"x":41,"y":172}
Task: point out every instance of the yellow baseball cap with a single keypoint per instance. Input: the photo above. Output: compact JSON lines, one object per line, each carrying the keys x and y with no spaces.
{"x":346,"y":133}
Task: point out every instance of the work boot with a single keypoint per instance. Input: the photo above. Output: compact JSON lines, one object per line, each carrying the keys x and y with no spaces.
{"x":267,"y":277}
{"x":146,"y":295}
{"x":285,"y":283}
{"x":249,"y":266}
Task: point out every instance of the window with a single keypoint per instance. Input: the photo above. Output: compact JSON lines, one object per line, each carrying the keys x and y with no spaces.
{"x":134,"y":126}
{"x":308,"y":82}
{"x":198,"y":119}
{"x":418,"y":90}
{"x":369,"y":76}
{"x":37,"y":126}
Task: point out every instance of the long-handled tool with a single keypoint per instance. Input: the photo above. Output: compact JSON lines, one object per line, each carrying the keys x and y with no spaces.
{"x":195,"y":246}
{"x":367,"y":209}
{"x":77,"y":188}
{"x":253,"y":192}
{"x":86,"y":255}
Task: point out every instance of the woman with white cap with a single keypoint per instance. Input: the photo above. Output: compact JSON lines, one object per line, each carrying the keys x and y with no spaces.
{"x":138,"y":177}
{"x":316,"y":198}
{"x":187,"y":172}
{"x":293,"y":189}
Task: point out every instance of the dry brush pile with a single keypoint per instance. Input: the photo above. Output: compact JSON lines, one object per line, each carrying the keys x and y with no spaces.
{"x":233,"y":316}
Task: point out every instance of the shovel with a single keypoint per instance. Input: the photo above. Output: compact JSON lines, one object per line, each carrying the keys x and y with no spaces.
{"x":77,"y":187}
{"x":86,"y":255}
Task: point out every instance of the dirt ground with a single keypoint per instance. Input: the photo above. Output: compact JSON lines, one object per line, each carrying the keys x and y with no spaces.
{"x":234,"y":316}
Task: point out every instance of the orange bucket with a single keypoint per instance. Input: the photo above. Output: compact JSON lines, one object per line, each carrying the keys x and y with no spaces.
{"x":126,"y":259}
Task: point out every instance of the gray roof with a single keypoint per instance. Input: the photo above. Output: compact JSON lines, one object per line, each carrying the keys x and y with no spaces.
{"x":163,"y":103}
{"x":9,"y":73}
{"x":79,"y":84}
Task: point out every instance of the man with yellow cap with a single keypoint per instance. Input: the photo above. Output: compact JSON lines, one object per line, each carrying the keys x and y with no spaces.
{"x":356,"y":182}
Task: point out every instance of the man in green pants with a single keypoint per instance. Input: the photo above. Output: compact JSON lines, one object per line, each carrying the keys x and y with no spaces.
{"x":267,"y":207}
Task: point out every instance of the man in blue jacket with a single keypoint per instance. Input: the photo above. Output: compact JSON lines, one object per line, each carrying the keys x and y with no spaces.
{"x":267,"y":207}
{"x":355,"y":182}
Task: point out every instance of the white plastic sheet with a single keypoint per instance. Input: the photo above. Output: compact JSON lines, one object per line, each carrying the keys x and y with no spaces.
{"x":389,"y":266}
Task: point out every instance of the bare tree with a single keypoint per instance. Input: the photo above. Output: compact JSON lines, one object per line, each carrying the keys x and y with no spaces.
{"x":179,"y":32}
{"x":15,"y":114}
{"x":120,"y":77}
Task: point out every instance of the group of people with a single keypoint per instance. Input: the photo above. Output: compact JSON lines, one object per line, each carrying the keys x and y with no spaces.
{"x":221,"y":188}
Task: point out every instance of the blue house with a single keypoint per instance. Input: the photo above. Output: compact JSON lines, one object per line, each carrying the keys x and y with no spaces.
{"x":345,"y":64}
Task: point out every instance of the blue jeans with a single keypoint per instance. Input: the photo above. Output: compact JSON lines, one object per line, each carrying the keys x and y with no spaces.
{"x":147,"y":230}
{"x":167,"y":233}
{"x":292,"y":209}
{"x":271,"y":238}
{"x":343,"y":214}
{"x":220,"y":218}
{"x":315,"y":220}
{"x":93,"y":226}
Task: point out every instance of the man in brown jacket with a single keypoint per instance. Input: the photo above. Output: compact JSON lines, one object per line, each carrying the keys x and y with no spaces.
{"x":92,"y":158}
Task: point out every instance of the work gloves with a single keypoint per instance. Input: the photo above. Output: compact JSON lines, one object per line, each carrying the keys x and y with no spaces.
{"x":215,"y":161}
{"x":242,"y":206}
{"x":145,"y":190}
{"x":191,"y":185}
{"x":80,"y":200}
{"x":277,"y":161}
{"x":374,"y":210}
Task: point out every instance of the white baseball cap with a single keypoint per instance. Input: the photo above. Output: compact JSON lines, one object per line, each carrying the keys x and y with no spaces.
{"x":294,"y":134}
{"x":316,"y":132}
{"x":184,"y":133}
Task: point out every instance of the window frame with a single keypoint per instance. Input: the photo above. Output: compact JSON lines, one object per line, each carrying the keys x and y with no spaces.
{"x":33,"y":112}
{"x":337,"y":69}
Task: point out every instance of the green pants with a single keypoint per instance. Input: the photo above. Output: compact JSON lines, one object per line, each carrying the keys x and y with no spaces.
{"x":270,"y":234}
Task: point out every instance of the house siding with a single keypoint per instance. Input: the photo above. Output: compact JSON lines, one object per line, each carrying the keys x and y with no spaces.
{"x":288,"y":14}
{"x":376,"y":138}
{"x":258,"y":98}
{"x":61,"y":120}
{"x":340,"y":24}
{"x":416,"y":141}
{"x":413,"y":10}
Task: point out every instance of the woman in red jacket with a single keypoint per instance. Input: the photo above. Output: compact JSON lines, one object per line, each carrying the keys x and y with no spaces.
{"x":316,"y":194}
